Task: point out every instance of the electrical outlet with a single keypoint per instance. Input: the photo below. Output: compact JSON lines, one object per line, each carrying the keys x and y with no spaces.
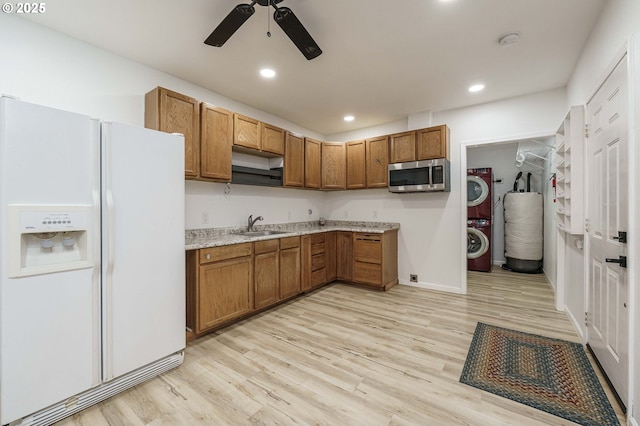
{"x":413,"y":278}
{"x":205,"y":218}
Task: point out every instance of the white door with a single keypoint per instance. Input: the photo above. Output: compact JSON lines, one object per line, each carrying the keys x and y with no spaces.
{"x":143,"y":247}
{"x":607,"y":214}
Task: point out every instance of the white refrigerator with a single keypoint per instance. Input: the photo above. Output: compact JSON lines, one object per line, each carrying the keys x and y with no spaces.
{"x":92,"y":266}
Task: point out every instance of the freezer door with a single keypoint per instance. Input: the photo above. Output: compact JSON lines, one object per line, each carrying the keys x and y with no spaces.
{"x":143,"y":247}
{"x":49,"y":321}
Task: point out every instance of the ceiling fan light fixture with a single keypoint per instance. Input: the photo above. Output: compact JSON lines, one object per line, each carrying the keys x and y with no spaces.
{"x":285,"y":18}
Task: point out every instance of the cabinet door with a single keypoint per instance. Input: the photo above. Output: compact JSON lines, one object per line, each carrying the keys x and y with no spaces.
{"x":216,"y":129}
{"x":305,"y":262}
{"x":356,"y":168}
{"x":333,"y":165}
{"x":432,"y":143}
{"x":267,"y":277}
{"x":344,"y":255}
{"x":403,"y":147}
{"x":173,"y":112}
{"x":377,"y":162}
{"x":246,"y":131}
{"x":312,"y":149}
{"x":225,"y":291}
{"x":293,"y":160}
{"x":330,"y":256}
{"x":289,"y":272}
{"x":272,"y":138}
{"x":368,"y":248}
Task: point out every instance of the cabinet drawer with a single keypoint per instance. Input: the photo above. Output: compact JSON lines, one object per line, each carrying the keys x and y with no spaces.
{"x":215,"y":254}
{"x":318,"y":277}
{"x":317,"y":248}
{"x":317,"y":238}
{"x":317,"y":262}
{"x":289,"y":242}
{"x":368,"y":248}
{"x":265,"y":246}
{"x":369,"y":273}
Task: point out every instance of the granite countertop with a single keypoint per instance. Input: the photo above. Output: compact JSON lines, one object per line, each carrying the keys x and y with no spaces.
{"x":215,"y":237}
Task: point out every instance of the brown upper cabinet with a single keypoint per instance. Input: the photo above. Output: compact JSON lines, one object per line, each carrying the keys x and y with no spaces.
{"x":246,"y":132}
{"x":212,"y":133}
{"x":333,"y":165}
{"x":272,"y":139}
{"x":356,"y":165}
{"x":173,"y":112}
{"x":216,"y":139}
{"x":312,"y":161}
{"x":377,"y":150}
{"x":432,"y":142}
{"x":261,"y":138}
{"x":294,"y":160}
{"x":423,"y":144}
{"x":403,"y":147}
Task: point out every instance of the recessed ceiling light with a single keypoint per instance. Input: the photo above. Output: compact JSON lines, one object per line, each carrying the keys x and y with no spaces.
{"x":349,"y":118}
{"x":267,"y":73}
{"x":476,"y":88}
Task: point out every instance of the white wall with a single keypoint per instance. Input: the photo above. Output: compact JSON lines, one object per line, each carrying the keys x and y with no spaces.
{"x":275,"y":205}
{"x":426,"y":241}
{"x":525,"y":117}
{"x":618,"y":21}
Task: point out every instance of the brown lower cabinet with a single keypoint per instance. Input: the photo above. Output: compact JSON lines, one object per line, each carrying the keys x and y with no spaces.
{"x":375,"y":259}
{"x":344,"y":255}
{"x":230,"y":282}
{"x":223,"y":287}
{"x":266,"y":269}
{"x":289,"y":267}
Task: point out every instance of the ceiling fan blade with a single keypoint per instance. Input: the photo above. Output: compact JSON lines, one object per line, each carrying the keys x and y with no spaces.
{"x":230,"y":24}
{"x":292,"y":26}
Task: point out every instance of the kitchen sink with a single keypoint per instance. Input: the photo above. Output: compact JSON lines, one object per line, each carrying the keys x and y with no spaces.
{"x":262,"y":233}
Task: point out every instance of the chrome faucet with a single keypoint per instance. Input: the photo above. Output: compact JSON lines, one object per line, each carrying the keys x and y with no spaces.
{"x":252,"y":221}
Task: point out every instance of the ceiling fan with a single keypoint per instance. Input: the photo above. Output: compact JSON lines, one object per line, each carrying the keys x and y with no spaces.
{"x":284,"y":16}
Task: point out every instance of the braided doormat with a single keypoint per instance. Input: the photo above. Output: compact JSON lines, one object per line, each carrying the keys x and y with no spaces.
{"x":551,"y":375}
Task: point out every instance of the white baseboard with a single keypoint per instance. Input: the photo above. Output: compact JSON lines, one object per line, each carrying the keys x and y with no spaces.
{"x":576,"y":325}
{"x":631,"y":421}
{"x":429,"y":286}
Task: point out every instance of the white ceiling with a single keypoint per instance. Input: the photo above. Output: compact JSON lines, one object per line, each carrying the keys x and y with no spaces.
{"x":382,"y":60}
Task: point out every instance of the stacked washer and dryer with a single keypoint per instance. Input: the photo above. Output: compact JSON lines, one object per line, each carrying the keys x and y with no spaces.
{"x":479,"y":218}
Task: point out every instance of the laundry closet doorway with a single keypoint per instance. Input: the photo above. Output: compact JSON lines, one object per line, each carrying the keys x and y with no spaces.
{"x":502,"y":158}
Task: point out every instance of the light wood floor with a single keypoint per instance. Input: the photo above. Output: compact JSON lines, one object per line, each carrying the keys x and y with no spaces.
{"x":348,"y":356}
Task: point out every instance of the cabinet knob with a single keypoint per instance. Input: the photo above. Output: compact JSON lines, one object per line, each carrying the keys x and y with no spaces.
{"x":207,"y":256}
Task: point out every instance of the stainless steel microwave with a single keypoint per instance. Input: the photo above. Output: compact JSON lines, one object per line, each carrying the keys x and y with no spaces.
{"x":420,"y":176}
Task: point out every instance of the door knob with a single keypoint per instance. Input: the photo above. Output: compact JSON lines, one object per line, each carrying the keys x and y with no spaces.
{"x":622,"y":260}
{"x":622,"y":237}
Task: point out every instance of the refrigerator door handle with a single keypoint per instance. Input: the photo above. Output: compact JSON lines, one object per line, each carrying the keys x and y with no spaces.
{"x":108,"y":236}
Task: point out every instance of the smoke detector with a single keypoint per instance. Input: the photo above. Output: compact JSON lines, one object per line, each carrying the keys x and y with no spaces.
{"x":508,"y":39}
